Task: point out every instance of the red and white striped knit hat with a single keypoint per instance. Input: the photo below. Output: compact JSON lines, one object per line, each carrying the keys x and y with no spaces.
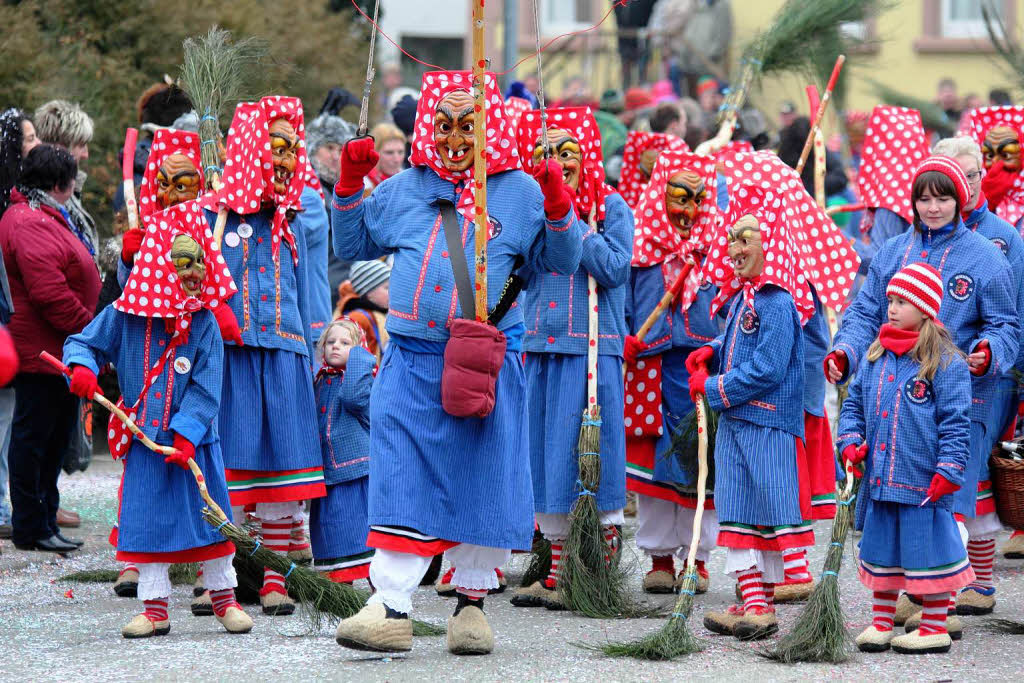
{"x":949,"y":168}
{"x":920,"y":285}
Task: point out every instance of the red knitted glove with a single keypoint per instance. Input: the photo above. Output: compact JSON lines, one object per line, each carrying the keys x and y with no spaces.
{"x":940,"y":487}
{"x":855,"y":455}
{"x":228,"y":324}
{"x":697,"y":381}
{"x":839,"y":358}
{"x":557,"y":195}
{"x":632,"y":348}
{"x":996,"y":183}
{"x":8,"y":357}
{"x":83,"y":382}
{"x":983,"y":349}
{"x":131,"y":242}
{"x":183,"y":452}
{"x":358,"y":158}
{"x":699,"y":359}
{"x":1020,"y":409}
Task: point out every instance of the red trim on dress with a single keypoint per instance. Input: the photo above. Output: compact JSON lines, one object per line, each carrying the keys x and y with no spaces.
{"x":820,"y":463}
{"x":731,"y":539}
{"x":200,"y":554}
{"x":404,"y":544}
{"x":350,"y":574}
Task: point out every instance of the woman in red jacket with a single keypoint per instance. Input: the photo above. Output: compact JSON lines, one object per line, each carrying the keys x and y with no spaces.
{"x":54,"y":286}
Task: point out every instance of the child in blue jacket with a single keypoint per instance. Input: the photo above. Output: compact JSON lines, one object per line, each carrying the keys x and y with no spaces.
{"x":338,"y":522}
{"x":906,"y":418}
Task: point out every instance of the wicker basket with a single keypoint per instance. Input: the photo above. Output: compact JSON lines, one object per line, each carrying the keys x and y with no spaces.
{"x":1008,"y":484}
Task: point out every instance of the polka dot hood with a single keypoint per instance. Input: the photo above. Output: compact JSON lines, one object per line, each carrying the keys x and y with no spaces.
{"x":167,"y":141}
{"x":894,"y":144}
{"x":632,"y":181}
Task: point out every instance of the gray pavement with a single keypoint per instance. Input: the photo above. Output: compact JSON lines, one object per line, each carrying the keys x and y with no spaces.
{"x":46,"y":634}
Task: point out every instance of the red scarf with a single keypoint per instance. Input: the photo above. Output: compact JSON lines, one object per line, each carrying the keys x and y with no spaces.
{"x":896,"y":340}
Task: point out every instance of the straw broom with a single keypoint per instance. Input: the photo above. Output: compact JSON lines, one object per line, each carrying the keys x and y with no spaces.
{"x":675,"y":638}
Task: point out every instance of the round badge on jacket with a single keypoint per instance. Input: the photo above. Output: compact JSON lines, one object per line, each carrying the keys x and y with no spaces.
{"x":232,"y":240}
{"x":244,"y":231}
{"x":182,"y":365}
{"x":960,"y":286}
{"x":918,"y":390}
{"x":750,"y":323}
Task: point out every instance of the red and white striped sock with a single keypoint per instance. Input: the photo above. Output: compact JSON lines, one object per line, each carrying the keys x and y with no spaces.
{"x":129,"y":567}
{"x":156,"y":609}
{"x":611,"y":539}
{"x":222,"y":600}
{"x":952,"y":603}
{"x":299,"y":540}
{"x":982,"y":554}
{"x":752,"y":589}
{"x":883,"y":609}
{"x":663,"y":563}
{"x":769,"y":593}
{"x":277,"y":536}
{"x":556,"y":561}
{"x":795,"y":566}
{"x":472,"y":593}
{"x":933,"y":618}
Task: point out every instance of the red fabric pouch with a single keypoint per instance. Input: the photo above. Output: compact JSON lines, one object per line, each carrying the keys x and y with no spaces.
{"x":473,"y":358}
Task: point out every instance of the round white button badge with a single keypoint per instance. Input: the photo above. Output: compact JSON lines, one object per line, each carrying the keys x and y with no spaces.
{"x":182,"y":365}
{"x":231,"y":239}
{"x":244,"y":230}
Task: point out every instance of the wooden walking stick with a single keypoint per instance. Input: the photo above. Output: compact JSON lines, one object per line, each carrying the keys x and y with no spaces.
{"x":480,"y":161}
{"x":131,"y":137}
{"x":820,"y":113}
{"x":666,"y":300}
{"x":364,"y":107}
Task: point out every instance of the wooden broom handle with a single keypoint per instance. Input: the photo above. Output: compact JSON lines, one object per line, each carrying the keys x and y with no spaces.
{"x":666,"y":301}
{"x":593,"y":336}
{"x":702,"y":480}
{"x":820,"y":113}
{"x":204,"y":492}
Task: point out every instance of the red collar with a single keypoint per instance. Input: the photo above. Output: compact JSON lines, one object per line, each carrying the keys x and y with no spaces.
{"x":896,"y":340}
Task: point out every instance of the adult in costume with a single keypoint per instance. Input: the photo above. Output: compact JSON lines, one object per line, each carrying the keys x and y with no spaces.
{"x":440,"y":483}
{"x":638,"y":158}
{"x":677,"y":218}
{"x":267,"y":417}
{"x":997,"y":130}
{"x":556,"y":342}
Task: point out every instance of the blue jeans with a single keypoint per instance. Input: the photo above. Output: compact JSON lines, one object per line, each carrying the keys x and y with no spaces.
{"x":6,"y":419}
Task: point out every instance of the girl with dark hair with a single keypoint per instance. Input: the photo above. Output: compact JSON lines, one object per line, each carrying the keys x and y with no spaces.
{"x":17,"y":139}
{"x":978,"y":308}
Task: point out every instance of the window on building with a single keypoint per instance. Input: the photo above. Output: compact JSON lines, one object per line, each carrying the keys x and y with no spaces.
{"x":964,"y":18}
{"x":565,"y":15}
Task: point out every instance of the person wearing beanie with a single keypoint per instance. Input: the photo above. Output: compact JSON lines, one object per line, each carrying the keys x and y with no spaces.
{"x":979,"y":597}
{"x":364,"y":299}
{"x":906,"y":419}
{"x":389,"y":141}
{"x":325,"y":136}
{"x":979,"y":306}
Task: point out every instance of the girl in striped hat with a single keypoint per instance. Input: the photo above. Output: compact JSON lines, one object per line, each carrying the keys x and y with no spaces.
{"x":906,"y":419}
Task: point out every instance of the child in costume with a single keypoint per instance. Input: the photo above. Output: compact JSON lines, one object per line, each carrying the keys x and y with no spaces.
{"x":337,"y":522}
{"x":979,"y":308}
{"x":758,"y":393}
{"x":440,"y":482}
{"x":556,"y":342}
{"x":268,"y":417}
{"x":906,"y":418}
{"x":165,"y":343}
{"x":677,"y":218}
{"x":979,"y":597}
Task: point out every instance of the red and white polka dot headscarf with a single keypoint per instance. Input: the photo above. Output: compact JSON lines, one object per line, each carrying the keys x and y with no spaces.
{"x":249,"y":170}
{"x":827,"y":259}
{"x":502,"y":154}
{"x":894,"y":144}
{"x":515,"y":107}
{"x":152,"y":289}
{"x":979,"y":122}
{"x":783,"y":264}
{"x":656,"y":241}
{"x":631,"y":179}
{"x":578,"y":122}
{"x":167,"y":141}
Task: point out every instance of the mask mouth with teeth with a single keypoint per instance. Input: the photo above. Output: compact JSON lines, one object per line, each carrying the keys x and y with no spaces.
{"x":565,"y":149}
{"x":454,"y":130}
{"x":684,"y":194}
{"x":1002,"y":143}
{"x":177,"y":181}
{"x":190,"y":263}
{"x":284,"y":143}
{"x":746,"y":251}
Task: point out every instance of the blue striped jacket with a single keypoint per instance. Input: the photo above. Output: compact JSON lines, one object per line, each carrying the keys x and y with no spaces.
{"x":555,"y":306}
{"x":913,"y":427}
{"x":979,"y":301}
{"x":312,"y":222}
{"x":185,"y":397}
{"x":343,"y":409}
{"x":687,"y":329}
{"x":402,"y":217}
{"x":761,"y":363}
{"x":272,"y":303}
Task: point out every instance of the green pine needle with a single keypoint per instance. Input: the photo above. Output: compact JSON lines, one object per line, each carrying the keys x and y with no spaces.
{"x":540,"y":561}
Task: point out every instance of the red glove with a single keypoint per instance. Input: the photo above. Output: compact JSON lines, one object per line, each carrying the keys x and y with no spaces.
{"x":557,"y":195}
{"x":131,"y":242}
{"x":1020,"y":409}
{"x":183,"y":452}
{"x":982,"y":347}
{"x":83,"y":382}
{"x":940,"y":487}
{"x":8,"y":357}
{"x":855,"y":455}
{"x":699,"y":359}
{"x":839,"y":358}
{"x":228,"y":324}
{"x":633,"y":347}
{"x":358,"y":158}
{"x":996,"y":183}
{"x":697,"y":381}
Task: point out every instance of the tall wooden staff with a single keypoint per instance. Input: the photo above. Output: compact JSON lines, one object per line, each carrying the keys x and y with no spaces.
{"x":480,"y":161}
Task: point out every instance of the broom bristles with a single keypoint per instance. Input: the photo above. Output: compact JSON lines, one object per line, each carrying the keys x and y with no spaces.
{"x":540,"y":561}
{"x":674,"y":639}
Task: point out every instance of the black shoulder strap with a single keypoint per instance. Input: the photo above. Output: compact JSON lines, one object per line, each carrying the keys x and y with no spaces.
{"x":457,"y":256}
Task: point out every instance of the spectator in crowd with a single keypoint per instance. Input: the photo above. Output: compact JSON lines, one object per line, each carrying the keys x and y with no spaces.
{"x":787,"y":114}
{"x":791,"y":143}
{"x":668,"y":118}
{"x":365,"y":299}
{"x":709,"y":96}
{"x":54,"y":286}
{"x":972,"y":101}
{"x":696,"y":132}
{"x":390,"y":145}
{"x":948,"y":100}
{"x":404,"y":116}
{"x":997,"y":97}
